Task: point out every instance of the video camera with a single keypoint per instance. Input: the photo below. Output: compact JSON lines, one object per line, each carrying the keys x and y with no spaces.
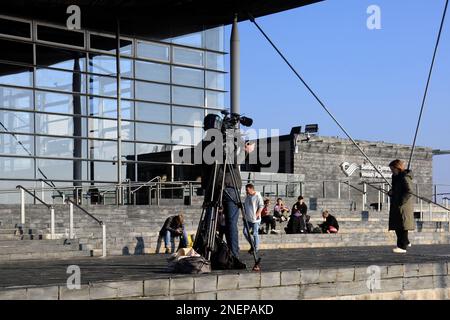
{"x":228,"y":121}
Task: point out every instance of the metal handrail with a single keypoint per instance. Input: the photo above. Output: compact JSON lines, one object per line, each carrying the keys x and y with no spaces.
{"x":158,"y":178}
{"x":68,"y":200}
{"x":34,"y":196}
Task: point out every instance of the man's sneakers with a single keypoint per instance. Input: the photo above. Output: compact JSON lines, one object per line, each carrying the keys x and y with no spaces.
{"x":409,"y":245}
{"x":274,"y":231}
{"x":399,"y":250}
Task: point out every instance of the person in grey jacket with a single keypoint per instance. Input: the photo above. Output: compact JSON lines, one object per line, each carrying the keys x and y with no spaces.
{"x":401,"y":213}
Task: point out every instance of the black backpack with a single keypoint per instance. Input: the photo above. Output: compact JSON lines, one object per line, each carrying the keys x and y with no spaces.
{"x":190,"y":265}
{"x":223,"y":259}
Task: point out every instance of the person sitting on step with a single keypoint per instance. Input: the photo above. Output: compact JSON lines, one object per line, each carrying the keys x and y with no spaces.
{"x":280,"y":211}
{"x":173,"y":227}
{"x":268,"y":219}
{"x":330,"y":225}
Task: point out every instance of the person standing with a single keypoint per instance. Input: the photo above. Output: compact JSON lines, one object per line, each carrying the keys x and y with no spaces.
{"x":254,"y":205}
{"x":401,"y":212}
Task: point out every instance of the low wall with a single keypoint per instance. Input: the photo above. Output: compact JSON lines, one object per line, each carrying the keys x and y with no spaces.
{"x":409,"y":281}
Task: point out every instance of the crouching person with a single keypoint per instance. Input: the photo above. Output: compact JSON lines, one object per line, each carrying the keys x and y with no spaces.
{"x":330,"y":225}
{"x":173,"y":228}
{"x":254,"y":205}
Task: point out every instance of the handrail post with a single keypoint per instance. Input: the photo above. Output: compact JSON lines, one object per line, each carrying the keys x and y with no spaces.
{"x":277,"y":191}
{"x":52,"y":223}
{"x":103,"y":240}
{"x":364,"y":195}
{"x":22,"y":206}
{"x":71,"y":236}
{"x":63,"y":198}
{"x":158,"y":193}
{"x":421,"y":209}
{"x":149,"y":195}
{"x":42,"y":191}
{"x":323,"y":189}
{"x":339,"y":189}
{"x":379,"y":201}
{"x":430,"y":211}
{"x":435,"y":193}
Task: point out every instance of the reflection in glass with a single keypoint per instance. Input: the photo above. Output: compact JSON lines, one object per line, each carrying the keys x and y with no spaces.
{"x":12,"y":98}
{"x":107,"y":150}
{"x":188,"y":116}
{"x":188,"y":96}
{"x":192,"y":40}
{"x":152,"y":112}
{"x":102,"y":128}
{"x":102,"y":107}
{"x":188,"y":76}
{"x":58,"y":147}
{"x":98,"y":42}
{"x":59,"y":58}
{"x":58,"y":102}
{"x":60,"y":80}
{"x":188,"y":56}
{"x":17,"y":121}
{"x":152,"y":132}
{"x":16,"y":168}
{"x":103,"y":171}
{"x":152,"y":92}
{"x":152,"y":71}
{"x":59,"y":35}
{"x":186,"y":135}
{"x":107,"y":86}
{"x":15,"y":28}
{"x":215,"y":99}
{"x":215,"y":80}
{"x":16,"y":75}
{"x":60,"y":169}
{"x":60,"y":125}
{"x":215,"y":61}
{"x":102,"y":64}
{"x":10,"y":146}
{"x":214,"y":39}
{"x":154,"y":51}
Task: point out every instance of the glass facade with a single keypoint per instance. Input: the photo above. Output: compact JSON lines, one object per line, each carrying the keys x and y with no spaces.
{"x":58,"y":103}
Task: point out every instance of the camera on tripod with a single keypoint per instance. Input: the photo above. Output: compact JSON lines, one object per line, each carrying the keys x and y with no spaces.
{"x":228,"y":121}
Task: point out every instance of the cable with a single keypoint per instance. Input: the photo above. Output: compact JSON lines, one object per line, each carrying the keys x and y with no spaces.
{"x":428,"y":83}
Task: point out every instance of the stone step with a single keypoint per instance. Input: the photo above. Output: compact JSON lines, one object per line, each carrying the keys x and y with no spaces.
{"x":44,"y":255}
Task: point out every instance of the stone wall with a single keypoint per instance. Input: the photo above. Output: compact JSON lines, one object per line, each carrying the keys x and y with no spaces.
{"x":321,"y":158}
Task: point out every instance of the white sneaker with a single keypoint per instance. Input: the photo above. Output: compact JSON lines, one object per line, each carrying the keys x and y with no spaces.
{"x":409,"y":245}
{"x":274,"y":231}
{"x":398,"y":250}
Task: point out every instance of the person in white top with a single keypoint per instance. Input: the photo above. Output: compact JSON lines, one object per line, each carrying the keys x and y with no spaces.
{"x":254,"y":204}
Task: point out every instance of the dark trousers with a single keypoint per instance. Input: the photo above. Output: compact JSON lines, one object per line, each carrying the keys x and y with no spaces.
{"x":231,"y":211}
{"x":402,"y":238}
{"x":269,"y":220}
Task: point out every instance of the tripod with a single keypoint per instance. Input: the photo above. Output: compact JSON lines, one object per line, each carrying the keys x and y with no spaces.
{"x":207,"y":226}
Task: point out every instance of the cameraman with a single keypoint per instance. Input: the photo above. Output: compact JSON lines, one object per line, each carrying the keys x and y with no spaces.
{"x":213,"y":150}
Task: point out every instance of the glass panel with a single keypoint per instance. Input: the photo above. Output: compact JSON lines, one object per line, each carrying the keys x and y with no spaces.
{"x":215,"y":80}
{"x":215,"y":99}
{"x":102,"y":107}
{"x":101,"y":128}
{"x":127,"y":130}
{"x":152,"y":92}
{"x":152,"y":71}
{"x":193,"y":40}
{"x":57,"y":35}
{"x":16,"y":51}
{"x":147,"y":171}
{"x":153,"y":152}
{"x":188,"y":96}
{"x":107,"y":86}
{"x":152,"y":132}
{"x":215,"y":61}
{"x":16,"y":168}
{"x":12,"y":98}
{"x":103,"y":171}
{"x":15,"y":28}
{"x":17,"y":121}
{"x":16,"y":75}
{"x":60,"y":80}
{"x":152,"y":112}
{"x":188,"y":116}
{"x":102,"y":64}
{"x":60,"y":58}
{"x":152,"y":51}
{"x":61,"y":147}
{"x":107,"y":150}
{"x":188,"y":76}
{"x":60,"y":125}
{"x":109,"y":44}
{"x":60,"y":103}
{"x":186,"y":135}
{"x":214,"y":38}
{"x":61,"y":169}
{"x":127,"y":109}
{"x":10,"y":146}
{"x":188,"y":56}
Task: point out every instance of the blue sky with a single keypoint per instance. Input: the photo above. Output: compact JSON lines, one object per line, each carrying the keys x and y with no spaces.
{"x":372,"y":80}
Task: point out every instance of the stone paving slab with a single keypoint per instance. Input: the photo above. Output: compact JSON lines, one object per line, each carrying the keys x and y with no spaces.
{"x":147,"y":267}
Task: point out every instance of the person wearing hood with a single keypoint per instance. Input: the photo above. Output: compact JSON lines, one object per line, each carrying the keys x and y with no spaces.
{"x":401,"y":213}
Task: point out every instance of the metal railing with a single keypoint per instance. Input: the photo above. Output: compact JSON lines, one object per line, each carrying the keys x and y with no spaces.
{"x":24,"y":190}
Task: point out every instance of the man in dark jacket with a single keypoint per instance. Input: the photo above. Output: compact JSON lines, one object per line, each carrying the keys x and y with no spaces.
{"x":330,"y":225}
{"x":299,"y":209}
{"x":173,"y":227}
{"x":401,"y":212}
